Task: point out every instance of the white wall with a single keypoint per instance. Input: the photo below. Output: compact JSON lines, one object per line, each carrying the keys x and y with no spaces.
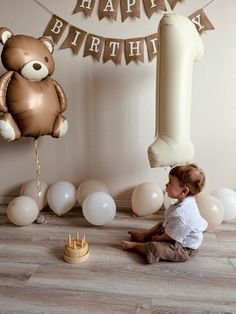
{"x":111,"y":109}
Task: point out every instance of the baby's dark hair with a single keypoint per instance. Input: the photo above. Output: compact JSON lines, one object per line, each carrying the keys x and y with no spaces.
{"x":190,"y":176}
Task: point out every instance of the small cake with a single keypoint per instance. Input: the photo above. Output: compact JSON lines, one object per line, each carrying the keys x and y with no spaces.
{"x":76,"y":250}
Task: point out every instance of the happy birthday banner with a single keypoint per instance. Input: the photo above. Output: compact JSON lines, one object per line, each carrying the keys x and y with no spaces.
{"x":113,"y":48}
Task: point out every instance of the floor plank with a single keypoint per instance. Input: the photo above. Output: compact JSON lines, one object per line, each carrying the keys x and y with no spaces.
{"x":35,"y":279}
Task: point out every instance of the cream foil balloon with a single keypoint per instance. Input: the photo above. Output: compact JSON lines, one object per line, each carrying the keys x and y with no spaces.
{"x":179,"y":46}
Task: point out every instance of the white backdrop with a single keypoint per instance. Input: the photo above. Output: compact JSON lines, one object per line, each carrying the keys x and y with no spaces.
{"x":111,"y":109}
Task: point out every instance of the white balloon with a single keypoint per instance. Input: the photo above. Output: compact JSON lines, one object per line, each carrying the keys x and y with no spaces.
{"x":61,"y":197}
{"x":99,"y":208}
{"x":22,"y":210}
{"x":210,"y":209}
{"x":227,"y":197}
{"x":147,"y":198}
{"x":168,"y":200}
{"x":89,"y":186}
{"x":30,"y":189}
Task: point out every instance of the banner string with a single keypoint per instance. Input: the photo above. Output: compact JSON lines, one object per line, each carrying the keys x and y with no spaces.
{"x":44,"y":7}
{"x":150,"y":40}
{"x":206,"y":5}
{"x":52,"y":13}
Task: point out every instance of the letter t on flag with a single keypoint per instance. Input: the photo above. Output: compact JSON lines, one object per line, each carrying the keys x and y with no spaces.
{"x":55,"y":28}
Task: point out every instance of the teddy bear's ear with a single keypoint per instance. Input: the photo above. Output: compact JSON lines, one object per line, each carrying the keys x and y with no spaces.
{"x":48,"y":43}
{"x":5,"y":34}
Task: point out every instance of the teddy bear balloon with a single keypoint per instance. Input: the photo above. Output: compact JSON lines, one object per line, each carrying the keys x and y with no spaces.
{"x":31,"y":102}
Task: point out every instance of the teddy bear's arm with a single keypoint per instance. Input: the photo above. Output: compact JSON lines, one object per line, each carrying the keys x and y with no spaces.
{"x":4,"y":81}
{"x":61,"y":95}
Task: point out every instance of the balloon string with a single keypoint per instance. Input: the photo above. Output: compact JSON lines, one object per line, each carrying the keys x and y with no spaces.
{"x":36,"y":145}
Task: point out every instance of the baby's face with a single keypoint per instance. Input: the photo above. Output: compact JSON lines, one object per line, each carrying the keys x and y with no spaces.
{"x":174,"y":189}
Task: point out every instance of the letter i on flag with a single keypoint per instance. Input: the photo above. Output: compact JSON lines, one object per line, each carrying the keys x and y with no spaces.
{"x":74,"y":39}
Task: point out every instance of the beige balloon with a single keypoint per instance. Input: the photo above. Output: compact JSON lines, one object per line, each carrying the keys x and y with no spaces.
{"x":22,"y":210}
{"x":211,"y":210}
{"x":88,"y":187}
{"x":30,"y":189}
{"x":147,"y":198}
{"x":179,"y":45}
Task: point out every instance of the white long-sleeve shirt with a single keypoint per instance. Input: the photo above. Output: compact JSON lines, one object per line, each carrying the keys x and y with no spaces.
{"x":184,"y":224}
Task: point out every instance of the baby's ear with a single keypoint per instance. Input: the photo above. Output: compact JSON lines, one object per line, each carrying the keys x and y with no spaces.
{"x":185,"y":191}
{"x":48,"y":43}
{"x":5,"y":34}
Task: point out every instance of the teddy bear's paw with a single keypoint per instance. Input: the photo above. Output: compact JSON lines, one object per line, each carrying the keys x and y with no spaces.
{"x":6,"y":131}
{"x":63,"y":128}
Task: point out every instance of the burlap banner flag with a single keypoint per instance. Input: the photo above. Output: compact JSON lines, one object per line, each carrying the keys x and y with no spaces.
{"x":55,"y":28}
{"x":74,"y":39}
{"x":93,"y":46}
{"x":173,"y":3}
{"x":108,"y":8}
{"x":113,"y":50}
{"x":152,"y":6}
{"x":151,"y":42}
{"x":129,"y":8}
{"x":201,"y":21}
{"x":85,"y":6}
{"x":134,"y":50}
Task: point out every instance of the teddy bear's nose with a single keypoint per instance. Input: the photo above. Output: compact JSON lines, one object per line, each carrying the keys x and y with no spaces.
{"x":37,"y":66}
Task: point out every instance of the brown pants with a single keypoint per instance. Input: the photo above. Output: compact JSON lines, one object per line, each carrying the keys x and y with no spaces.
{"x":173,"y":252}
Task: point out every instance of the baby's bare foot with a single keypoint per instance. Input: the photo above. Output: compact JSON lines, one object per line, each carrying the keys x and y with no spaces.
{"x":127,"y":245}
{"x":138,"y":236}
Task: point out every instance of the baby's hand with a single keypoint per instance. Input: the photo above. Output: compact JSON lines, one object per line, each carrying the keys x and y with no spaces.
{"x":155,"y":238}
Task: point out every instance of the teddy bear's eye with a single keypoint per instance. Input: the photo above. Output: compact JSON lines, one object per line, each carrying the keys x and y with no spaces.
{"x":46,"y":59}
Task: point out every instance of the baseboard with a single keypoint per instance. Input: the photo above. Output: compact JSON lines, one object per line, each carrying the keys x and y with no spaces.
{"x":4,"y":200}
{"x":123,"y":204}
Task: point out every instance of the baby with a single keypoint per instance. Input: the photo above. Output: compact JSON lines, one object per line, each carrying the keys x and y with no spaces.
{"x":180,"y":235}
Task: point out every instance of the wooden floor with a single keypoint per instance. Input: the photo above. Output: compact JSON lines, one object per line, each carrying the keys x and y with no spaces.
{"x":35,"y":279}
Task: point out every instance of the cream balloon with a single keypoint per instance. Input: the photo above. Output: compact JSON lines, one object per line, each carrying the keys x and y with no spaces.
{"x":30,"y":189}
{"x":179,"y":46}
{"x":61,"y":197}
{"x":22,"y":210}
{"x":147,"y":198}
{"x":89,"y":186}
{"x":227,"y":197}
{"x":210,"y":209}
{"x":99,"y":208}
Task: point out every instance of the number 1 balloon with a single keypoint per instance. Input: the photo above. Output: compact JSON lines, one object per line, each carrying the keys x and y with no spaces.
{"x":179,"y":46}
